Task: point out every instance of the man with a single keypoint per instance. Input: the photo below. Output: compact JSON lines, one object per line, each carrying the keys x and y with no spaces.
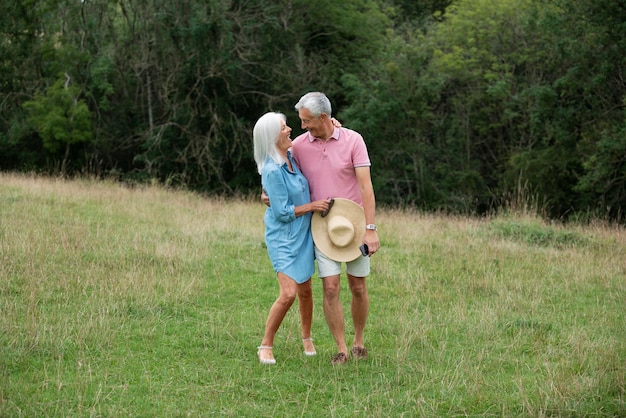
{"x":335,"y":162}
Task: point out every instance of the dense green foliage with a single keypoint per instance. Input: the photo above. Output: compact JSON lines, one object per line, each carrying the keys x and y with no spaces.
{"x":466,"y":106}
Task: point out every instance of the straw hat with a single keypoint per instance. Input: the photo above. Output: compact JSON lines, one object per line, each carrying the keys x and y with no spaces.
{"x":340,"y":233}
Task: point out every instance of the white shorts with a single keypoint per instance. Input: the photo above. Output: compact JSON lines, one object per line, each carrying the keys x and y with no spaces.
{"x":359,"y":267}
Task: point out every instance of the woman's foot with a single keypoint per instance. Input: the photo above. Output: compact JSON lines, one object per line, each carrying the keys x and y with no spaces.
{"x":266,"y":355}
{"x":309,"y":348}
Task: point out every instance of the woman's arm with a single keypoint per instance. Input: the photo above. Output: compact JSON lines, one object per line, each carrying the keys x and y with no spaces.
{"x":278,"y":195}
{"x":315,"y":206}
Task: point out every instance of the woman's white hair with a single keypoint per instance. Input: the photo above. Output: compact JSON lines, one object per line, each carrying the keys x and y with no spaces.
{"x":265,"y":134}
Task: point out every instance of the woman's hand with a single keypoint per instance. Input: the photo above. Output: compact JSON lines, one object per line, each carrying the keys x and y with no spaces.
{"x":315,"y":206}
{"x":320,"y":205}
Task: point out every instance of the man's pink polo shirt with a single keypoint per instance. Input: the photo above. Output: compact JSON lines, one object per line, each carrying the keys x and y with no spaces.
{"x":329,"y":165}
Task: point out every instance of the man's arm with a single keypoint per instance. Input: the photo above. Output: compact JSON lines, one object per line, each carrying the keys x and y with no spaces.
{"x":369,"y":207}
{"x":264,"y":197}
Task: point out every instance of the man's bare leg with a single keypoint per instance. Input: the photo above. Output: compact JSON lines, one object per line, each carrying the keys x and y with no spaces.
{"x":333,"y":312}
{"x":360,"y":309}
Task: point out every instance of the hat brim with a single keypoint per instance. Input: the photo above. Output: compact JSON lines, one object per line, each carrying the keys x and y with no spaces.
{"x":319,"y":228}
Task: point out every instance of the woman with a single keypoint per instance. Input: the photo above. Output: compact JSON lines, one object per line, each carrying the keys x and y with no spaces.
{"x":287,"y":228}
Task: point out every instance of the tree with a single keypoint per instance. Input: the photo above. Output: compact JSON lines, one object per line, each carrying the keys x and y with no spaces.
{"x":60,"y":118}
{"x":597,"y":31}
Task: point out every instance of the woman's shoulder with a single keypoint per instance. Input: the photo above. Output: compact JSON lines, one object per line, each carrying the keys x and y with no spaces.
{"x":271,"y":166}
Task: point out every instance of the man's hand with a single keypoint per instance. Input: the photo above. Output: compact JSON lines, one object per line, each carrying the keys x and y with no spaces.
{"x":265,"y":198}
{"x":372,"y":241}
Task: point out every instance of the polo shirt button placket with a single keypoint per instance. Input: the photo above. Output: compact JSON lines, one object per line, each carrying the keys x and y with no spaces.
{"x":323,"y":147}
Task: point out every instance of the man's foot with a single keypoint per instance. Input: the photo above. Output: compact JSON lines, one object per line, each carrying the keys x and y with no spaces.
{"x":359,"y":353}
{"x":339,"y":358}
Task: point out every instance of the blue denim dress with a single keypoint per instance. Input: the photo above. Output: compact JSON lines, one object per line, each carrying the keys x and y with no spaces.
{"x":288,"y":238}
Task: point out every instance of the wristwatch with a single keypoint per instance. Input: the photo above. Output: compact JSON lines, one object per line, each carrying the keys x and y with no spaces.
{"x":371,"y":227}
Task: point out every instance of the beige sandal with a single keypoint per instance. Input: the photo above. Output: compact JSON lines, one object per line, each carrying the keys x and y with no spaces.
{"x":309,"y":353}
{"x":265,"y":360}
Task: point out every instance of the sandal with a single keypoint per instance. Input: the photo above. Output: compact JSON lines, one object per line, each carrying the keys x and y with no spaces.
{"x":309,"y":353}
{"x":359,"y":353}
{"x":265,"y":360}
{"x":339,"y":358}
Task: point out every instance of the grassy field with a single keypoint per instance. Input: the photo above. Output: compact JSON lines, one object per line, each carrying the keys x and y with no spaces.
{"x":149,"y":302}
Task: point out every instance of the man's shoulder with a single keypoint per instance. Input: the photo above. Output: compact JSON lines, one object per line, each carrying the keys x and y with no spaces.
{"x":350,"y":133}
{"x":300,"y":138}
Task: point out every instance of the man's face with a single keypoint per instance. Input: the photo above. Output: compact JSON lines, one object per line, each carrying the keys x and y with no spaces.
{"x":314,"y":125}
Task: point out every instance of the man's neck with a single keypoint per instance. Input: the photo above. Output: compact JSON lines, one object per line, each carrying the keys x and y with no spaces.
{"x":328,"y":132}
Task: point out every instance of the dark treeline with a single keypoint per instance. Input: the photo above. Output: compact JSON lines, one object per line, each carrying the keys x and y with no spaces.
{"x":466,"y":105}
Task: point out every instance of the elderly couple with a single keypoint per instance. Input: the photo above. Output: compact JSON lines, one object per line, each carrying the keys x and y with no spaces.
{"x":320,"y":205}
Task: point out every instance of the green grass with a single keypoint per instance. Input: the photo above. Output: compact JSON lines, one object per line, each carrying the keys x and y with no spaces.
{"x":151,"y":302}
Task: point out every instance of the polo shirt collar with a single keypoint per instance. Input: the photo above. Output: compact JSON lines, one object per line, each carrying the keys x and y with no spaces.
{"x":336,"y":134}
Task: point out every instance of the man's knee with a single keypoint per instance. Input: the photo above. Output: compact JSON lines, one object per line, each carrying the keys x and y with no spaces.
{"x":332,"y":285}
{"x":357,"y":287}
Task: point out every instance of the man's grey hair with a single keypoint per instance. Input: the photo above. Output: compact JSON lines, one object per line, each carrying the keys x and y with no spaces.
{"x":316,"y":103}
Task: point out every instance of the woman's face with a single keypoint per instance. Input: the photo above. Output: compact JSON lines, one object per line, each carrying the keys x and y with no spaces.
{"x":284,"y":141}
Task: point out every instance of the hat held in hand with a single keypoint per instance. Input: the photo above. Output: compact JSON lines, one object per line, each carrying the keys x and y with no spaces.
{"x":340,"y":232}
